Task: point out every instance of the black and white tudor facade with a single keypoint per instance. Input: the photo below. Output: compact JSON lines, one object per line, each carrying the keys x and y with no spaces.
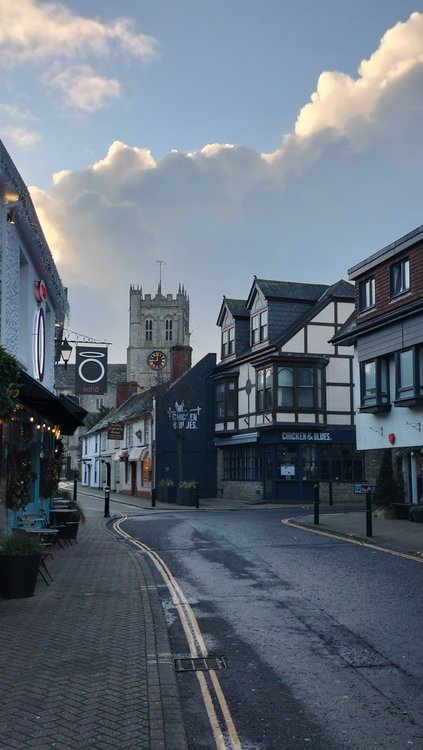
{"x":284,"y":414}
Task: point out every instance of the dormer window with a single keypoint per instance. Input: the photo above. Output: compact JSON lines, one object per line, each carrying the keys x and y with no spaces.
{"x":367,"y":294}
{"x":259,"y":327}
{"x":400,"y":277}
{"x":228,"y":341}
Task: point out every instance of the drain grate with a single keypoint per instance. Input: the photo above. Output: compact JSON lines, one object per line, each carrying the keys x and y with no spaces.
{"x":200,"y":664}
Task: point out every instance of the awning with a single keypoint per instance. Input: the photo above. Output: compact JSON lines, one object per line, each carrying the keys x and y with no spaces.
{"x":59,"y":410}
{"x":121,"y":455}
{"x":138,"y":454}
{"x":241,"y":439}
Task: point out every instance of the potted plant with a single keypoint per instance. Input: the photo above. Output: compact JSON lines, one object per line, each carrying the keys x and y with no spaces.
{"x":166,"y":491}
{"x":20,"y":557}
{"x":187,"y":492}
{"x":386,"y":491}
{"x":416,"y":513}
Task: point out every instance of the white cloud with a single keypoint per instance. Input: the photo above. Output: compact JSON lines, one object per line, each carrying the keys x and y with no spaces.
{"x":22,"y":137}
{"x":340,"y":99}
{"x":13,"y":128}
{"x":343,"y":184}
{"x":51,"y":37}
{"x":32,"y":31}
{"x":85,"y":90}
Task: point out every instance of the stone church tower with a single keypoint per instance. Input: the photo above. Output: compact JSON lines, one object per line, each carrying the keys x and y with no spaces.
{"x":159,"y":347}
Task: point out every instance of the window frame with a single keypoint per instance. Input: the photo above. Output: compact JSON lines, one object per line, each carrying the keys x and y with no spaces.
{"x":148,"y":329}
{"x":401,"y":285}
{"x":412,"y":394}
{"x":266,"y":402}
{"x":228,"y":342}
{"x":169,"y":329}
{"x":259,"y":327}
{"x":228,"y":400}
{"x":367,"y":294}
{"x":380,"y":400}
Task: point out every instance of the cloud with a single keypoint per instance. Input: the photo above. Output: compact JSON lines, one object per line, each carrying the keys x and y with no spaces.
{"x":340,"y":99}
{"x":49,"y":35}
{"x":344,"y":183}
{"x":85,"y":90}
{"x":12,"y":121}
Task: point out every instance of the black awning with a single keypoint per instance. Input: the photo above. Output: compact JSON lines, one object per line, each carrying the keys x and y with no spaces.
{"x":58,"y":410}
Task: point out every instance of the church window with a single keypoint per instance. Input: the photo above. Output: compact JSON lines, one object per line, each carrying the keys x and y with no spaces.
{"x":148,"y":329}
{"x":169,"y":329}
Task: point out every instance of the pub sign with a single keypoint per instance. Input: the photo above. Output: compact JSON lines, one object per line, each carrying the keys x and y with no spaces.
{"x":91,"y":370}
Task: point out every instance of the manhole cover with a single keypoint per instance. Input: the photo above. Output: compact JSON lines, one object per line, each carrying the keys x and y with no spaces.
{"x":200,"y":664}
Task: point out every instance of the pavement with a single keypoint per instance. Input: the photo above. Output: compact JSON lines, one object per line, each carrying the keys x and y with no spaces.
{"x":86,"y":662}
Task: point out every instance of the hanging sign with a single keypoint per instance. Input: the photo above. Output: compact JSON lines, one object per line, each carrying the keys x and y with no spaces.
{"x":91,"y":370}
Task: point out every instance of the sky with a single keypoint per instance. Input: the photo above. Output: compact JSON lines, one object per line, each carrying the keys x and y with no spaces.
{"x":226,"y":138}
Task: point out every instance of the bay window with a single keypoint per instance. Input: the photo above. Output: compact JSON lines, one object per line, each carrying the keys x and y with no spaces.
{"x":289,"y":388}
{"x":374,"y":385}
{"x":409,"y":376}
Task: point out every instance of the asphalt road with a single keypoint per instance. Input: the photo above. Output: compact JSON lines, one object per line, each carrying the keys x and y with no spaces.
{"x":322,"y":639}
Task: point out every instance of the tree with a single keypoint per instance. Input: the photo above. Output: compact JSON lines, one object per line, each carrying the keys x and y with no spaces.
{"x":387,"y":489}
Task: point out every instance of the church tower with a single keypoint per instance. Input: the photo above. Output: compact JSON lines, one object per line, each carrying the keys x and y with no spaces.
{"x":159,"y":336}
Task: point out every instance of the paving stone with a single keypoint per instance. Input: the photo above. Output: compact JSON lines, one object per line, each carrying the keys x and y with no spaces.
{"x":75,"y":665}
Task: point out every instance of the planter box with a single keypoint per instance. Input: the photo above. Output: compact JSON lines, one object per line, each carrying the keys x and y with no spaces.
{"x":18,"y":575}
{"x":166,"y":494}
{"x":416,"y":513}
{"x":187,"y":496}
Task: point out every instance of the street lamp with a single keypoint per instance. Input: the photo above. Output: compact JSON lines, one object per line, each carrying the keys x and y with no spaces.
{"x":65,"y":352}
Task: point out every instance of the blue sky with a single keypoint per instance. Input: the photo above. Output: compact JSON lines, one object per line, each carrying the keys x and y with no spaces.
{"x":227,"y":138}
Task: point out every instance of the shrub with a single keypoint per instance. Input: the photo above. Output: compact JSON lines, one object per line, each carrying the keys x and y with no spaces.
{"x":167,"y":483}
{"x":17,"y":545}
{"x":387,"y":490}
{"x":188,"y":484}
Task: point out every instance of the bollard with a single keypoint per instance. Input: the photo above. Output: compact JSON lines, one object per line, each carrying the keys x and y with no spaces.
{"x":75,"y":486}
{"x":316,"y":504}
{"x":330,"y":494}
{"x":106,"y":502}
{"x":197,"y":495}
{"x":369,"y":530}
{"x":153,"y":497}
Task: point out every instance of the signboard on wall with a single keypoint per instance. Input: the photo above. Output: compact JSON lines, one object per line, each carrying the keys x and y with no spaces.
{"x":91,"y":370}
{"x":115,"y":431}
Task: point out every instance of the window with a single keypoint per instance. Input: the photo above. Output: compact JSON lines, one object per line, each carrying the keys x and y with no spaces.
{"x":241,"y":463}
{"x":99,"y":402}
{"x":147,"y":431}
{"x":228,"y":341}
{"x":374,"y":385}
{"x":341,"y":463}
{"x":149,"y":330}
{"x":169,"y":329}
{"x":367,"y":294}
{"x":400,"y":277}
{"x":299,"y":388}
{"x":259,"y":327}
{"x":226,"y":400}
{"x":129,"y":435}
{"x":409,"y":376}
{"x":264,"y":389}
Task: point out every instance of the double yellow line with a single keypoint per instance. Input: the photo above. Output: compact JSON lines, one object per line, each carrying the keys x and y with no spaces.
{"x":223,"y":728}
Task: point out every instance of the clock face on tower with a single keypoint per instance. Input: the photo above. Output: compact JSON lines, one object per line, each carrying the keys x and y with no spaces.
{"x":157,"y":360}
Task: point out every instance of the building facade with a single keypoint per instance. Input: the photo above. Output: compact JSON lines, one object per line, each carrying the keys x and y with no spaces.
{"x":158,"y":328}
{"x":284,"y":415}
{"x":33,"y":307}
{"x":386,"y":331}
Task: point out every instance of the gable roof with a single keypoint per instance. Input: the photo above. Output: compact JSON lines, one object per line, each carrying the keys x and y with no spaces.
{"x":286,"y":290}
{"x":237,"y":308}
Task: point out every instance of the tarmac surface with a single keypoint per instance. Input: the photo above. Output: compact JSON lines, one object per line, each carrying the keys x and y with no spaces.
{"x":86,"y":662}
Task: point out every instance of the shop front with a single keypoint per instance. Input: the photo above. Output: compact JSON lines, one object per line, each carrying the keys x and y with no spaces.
{"x":293,"y":461}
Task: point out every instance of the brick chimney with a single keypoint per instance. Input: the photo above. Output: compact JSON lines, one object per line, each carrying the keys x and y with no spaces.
{"x":180,"y":361}
{"x":125,"y":390}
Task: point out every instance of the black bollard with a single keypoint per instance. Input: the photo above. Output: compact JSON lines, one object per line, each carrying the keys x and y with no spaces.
{"x":75,"y":486}
{"x":197,"y":495}
{"x":369,"y":530}
{"x":153,"y":497}
{"x":316,"y":504}
{"x":106,"y":502}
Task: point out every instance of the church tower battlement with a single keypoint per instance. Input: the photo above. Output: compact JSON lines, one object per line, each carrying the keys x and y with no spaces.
{"x":157,"y":325}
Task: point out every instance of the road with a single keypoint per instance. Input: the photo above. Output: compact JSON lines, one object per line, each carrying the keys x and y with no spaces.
{"x":320,"y":639}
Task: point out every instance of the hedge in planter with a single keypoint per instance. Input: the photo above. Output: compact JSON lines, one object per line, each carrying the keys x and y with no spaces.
{"x":416,"y":513}
{"x":20,"y":557}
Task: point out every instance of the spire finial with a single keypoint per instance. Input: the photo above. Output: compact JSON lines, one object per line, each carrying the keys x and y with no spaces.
{"x":161,"y":263}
